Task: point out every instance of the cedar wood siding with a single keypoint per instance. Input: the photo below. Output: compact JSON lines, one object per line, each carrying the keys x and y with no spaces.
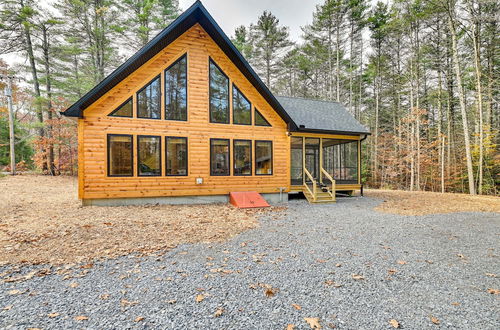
{"x":96,"y":124}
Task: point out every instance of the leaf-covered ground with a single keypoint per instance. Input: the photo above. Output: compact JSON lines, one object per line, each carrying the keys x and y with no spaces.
{"x":424,"y":202}
{"x":41,"y":221}
{"x":333,"y":266}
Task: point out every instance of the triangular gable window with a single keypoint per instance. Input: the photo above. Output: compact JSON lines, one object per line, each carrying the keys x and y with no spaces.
{"x":260,"y":120}
{"x":124,"y":110}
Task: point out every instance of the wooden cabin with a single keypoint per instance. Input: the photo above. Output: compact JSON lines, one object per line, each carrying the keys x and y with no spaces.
{"x":187,"y":120}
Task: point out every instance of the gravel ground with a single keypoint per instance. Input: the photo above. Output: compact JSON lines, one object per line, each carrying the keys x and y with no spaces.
{"x":413,"y":269}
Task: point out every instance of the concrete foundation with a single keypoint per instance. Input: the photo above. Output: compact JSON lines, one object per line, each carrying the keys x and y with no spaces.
{"x":273,"y":198}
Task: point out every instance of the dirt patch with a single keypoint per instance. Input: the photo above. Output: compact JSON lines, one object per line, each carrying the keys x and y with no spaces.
{"x":41,"y":221}
{"x":424,"y":202}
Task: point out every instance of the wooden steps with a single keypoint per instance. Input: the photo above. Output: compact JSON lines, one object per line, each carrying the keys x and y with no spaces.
{"x":321,"y":196}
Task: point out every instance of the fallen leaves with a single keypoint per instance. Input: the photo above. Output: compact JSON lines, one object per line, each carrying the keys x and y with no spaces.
{"x":297,"y":307}
{"x":333,"y":283}
{"x":74,"y":285}
{"x":199,"y":298}
{"x":104,"y":296}
{"x":81,"y":318}
{"x":358,"y":277}
{"x":394,"y":323}
{"x":6,"y":308}
{"x":80,"y":235}
{"x":138,"y":319}
{"x":290,"y":327}
{"x":425,"y":202}
{"x":125,"y":302}
{"x":219,"y":312}
{"x":401,"y":262}
{"x":435,"y":320}
{"x":392,"y":271}
{"x":52,"y":315}
{"x":490,"y":275}
{"x":270,"y":291}
{"x":14,"y":292}
{"x":493,"y":291}
{"x":313,"y":322}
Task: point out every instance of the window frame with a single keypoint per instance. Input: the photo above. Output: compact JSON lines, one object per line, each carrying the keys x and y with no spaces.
{"x":232,"y":105}
{"x":228,"y":158}
{"x":137,"y":98}
{"x":139,"y":152}
{"x":234,"y":157}
{"x":130,"y":99}
{"x":229,"y":98}
{"x":265,"y":119}
{"x":166,"y":155}
{"x":165,"y":88}
{"x":272,"y":157}
{"x":108,"y":150}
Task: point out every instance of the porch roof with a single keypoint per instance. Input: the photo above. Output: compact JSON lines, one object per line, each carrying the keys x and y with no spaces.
{"x":321,"y":116}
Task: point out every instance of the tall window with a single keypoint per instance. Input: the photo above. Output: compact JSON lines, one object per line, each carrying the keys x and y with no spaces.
{"x":263,"y":157}
{"x":124,"y":110}
{"x":260,"y":120}
{"x":219,"y":157}
{"x":177,"y":155}
{"x":242,"y":151}
{"x":149,"y":155}
{"x":242,"y":109}
{"x":120,"y":155}
{"x":149,"y":100}
{"x":219,"y":95}
{"x":176,"y":90}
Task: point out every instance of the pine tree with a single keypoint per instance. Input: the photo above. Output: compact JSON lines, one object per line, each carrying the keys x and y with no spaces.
{"x":270,"y":42}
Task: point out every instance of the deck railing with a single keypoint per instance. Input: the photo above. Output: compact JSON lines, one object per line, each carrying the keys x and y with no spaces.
{"x":314,"y":185}
{"x":329,"y":177}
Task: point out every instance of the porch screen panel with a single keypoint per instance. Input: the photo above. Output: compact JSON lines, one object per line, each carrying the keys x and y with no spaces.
{"x":345,"y":161}
{"x":149,"y":155}
{"x":219,"y":157}
{"x":120,"y":155}
{"x":296,"y":171}
{"x":351,"y":161}
{"x":328,"y":155}
{"x":312,"y":156}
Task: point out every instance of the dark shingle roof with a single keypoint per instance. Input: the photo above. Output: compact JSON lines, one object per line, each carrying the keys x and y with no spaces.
{"x":315,"y":115}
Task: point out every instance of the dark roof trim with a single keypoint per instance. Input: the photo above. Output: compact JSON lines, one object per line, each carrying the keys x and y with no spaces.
{"x":194,"y":14}
{"x":322,"y":131}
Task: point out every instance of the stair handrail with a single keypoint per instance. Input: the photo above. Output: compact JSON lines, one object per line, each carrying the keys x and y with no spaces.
{"x":313,"y":192}
{"x":329,"y":177}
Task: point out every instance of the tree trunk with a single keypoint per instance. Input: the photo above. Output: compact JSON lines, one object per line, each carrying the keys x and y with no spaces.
{"x":477,"y":66}
{"x":48,"y":86}
{"x":461,"y":96}
{"x":36,"y":85}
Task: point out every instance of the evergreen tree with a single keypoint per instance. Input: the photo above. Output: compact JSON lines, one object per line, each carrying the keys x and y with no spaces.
{"x":270,"y":42}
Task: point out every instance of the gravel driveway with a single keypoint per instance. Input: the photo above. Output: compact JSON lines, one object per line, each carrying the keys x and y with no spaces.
{"x":344,"y":263}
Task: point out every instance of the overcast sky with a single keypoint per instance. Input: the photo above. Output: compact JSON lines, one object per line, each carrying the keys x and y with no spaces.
{"x":232,"y":13}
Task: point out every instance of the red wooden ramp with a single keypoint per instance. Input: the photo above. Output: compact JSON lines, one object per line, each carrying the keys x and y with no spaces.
{"x":247,"y":199}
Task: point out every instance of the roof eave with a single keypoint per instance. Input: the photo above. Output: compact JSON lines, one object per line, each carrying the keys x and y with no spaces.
{"x":324,"y":131}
